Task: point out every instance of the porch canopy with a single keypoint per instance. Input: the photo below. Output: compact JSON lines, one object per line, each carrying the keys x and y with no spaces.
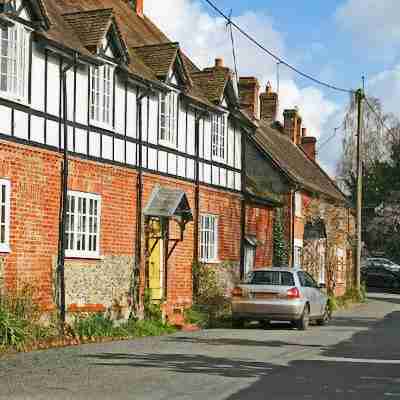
{"x":315,"y":230}
{"x":169,"y":203}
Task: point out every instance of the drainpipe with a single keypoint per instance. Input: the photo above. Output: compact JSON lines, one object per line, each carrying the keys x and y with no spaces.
{"x":139,"y":189}
{"x":64,"y":196}
{"x":197,"y":192}
{"x":243,"y":206}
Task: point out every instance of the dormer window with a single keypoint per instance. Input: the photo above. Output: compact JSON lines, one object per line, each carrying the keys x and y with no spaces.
{"x":101,"y":100}
{"x":168,"y":113}
{"x":218,"y":137}
{"x":14,"y":61}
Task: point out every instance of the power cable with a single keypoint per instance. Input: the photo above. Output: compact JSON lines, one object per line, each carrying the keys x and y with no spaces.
{"x":270,"y":53}
{"x":324,"y":143}
{"x":229,"y":26}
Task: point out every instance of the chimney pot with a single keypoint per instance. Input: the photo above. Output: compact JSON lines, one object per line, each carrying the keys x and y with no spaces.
{"x":304,"y":132}
{"x":268,"y":104}
{"x":219,"y":62}
{"x":308,"y":144}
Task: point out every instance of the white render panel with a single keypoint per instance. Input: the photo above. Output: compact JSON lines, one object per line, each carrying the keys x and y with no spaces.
{"x":70,"y":94}
{"x":153,"y":120}
{"x":119,"y":106}
{"x":107,"y":147}
{"x":191,"y":133}
{"x":53,"y":85}
{"x":207,"y":140}
{"x":172,"y":164}
{"x":52,"y":133}
{"x":152,"y":159}
{"x":238,"y":145}
{"x":215,"y":175}
{"x":207,"y":173}
{"x":144,"y":156}
{"x":94,"y":144}
{"x":162,"y":161}
{"x":231,"y":180}
{"x":182,"y":128}
{"x":190,"y":168}
{"x":131,"y":112}
{"x":231,"y":146}
{"x":222,"y":177}
{"x":181,"y":166}
{"x":5,"y":120}
{"x":38,"y":78}
{"x":20,"y":124}
{"x":80,"y":141}
{"x":130,"y":153}
{"x":37,"y":129}
{"x":238,"y":183}
{"x":82,"y":87}
{"x":119,"y":150}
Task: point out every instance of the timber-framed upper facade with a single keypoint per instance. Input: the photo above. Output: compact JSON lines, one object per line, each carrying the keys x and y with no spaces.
{"x":181,"y":122}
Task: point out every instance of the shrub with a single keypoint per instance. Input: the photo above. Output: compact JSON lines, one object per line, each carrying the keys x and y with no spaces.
{"x":95,"y":325}
{"x":152,"y":311}
{"x":12,"y":330}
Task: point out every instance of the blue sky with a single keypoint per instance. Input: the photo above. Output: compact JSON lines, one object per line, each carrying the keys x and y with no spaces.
{"x":336,"y":41}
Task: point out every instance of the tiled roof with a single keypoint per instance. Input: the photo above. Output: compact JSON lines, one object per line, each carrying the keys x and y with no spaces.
{"x":305,"y":172}
{"x":213,"y":82}
{"x":137,"y":32}
{"x":90,"y":26}
{"x":158,"y":57}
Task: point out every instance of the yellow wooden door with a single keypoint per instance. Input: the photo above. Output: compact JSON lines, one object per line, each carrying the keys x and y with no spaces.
{"x":155,"y":264}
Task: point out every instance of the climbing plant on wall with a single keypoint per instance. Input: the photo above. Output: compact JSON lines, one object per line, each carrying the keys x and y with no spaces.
{"x":280,"y":254}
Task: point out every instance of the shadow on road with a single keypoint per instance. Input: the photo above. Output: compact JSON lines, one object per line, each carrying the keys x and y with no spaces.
{"x":186,"y":364}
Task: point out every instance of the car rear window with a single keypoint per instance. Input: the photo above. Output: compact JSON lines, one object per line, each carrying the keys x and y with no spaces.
{"x":278,"y":278}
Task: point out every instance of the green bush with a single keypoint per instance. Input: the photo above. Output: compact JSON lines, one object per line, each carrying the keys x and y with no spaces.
{"x":152,"y":311}
{"x":95,"y":325}
{"x":12,"y":330}
{"x":196,"y":316}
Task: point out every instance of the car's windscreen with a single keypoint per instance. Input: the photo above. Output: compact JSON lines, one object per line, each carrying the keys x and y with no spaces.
{"x":278,"y":278}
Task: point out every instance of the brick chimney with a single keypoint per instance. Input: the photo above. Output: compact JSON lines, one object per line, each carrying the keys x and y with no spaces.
{"x":268,"y":104}
{"x":308,"y":144}
{"x":249,"y":89}
{"x":137,"y":6}
{"x":292,"y":125}
{"x":219,"y":63}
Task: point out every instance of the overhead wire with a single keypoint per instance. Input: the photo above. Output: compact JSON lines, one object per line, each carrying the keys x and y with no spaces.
{"x":229,"y":26}
{"x":271,"y":54}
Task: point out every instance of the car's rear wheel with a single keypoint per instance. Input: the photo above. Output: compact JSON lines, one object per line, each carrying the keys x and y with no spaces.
{"x":237,"y":323}
{"x":303,"y":323}
{"x":325,"y":318}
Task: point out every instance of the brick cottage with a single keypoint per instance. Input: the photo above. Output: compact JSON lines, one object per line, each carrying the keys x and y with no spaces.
{"x":166,"y":164}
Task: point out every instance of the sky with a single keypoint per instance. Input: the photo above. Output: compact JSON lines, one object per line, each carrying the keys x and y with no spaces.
{"x":337,"y":41}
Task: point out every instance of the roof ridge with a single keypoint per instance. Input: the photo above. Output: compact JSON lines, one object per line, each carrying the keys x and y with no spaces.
{"x":171,"y":44}
{"x":88,"y":11}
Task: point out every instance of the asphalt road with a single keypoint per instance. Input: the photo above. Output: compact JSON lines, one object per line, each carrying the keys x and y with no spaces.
{"x":357,"y":356}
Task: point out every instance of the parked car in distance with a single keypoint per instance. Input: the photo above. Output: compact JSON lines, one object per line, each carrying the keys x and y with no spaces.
{"x":380,"y":277}
{"x":379,"y":262}
{"x":280,"y":294}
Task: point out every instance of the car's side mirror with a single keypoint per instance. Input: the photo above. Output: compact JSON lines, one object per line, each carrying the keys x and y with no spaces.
{"x":322,"y":286}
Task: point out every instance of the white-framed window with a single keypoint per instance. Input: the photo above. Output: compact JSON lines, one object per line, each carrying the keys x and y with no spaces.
{"x":14,"y":58}
{"x":101,"y":97}
{"x":298,"y":204}
{"x":168,"y":120}
{"x":298,"y":252}
{"x":83,"y":225}
{"x":218,"y":137}
{"x":4,"y":215}
{"x":208,"y":238}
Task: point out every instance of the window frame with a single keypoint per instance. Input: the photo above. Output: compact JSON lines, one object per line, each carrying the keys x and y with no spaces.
{"x":170,"y":114}
{"x":5,"y":247}
{"x":298,"y":205}
{"x":219,"y":132}
{"x":204,"y":243}
{"x":75,"y":253}
{"x":100,"y":107}
{"x":22,"y":78}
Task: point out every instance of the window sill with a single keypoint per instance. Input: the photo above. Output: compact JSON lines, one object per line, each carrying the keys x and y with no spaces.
{"x":5,"y":249}
{"x":165,"y":143}
{"x":210,"y":261}
{"x":14,"y":99}
{"x":84,"y":257}
{"x":101,"y":125}
{"x":219,"y":160}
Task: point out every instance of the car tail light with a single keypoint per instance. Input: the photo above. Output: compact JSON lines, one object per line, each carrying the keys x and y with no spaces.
{"x":237,"y":292}
{"x":293,"y":293}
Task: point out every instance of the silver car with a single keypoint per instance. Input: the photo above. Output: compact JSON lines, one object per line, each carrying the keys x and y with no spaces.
{"x":280,"y":294}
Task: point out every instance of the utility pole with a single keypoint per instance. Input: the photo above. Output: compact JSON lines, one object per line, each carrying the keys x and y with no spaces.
{"x":359,"y":100}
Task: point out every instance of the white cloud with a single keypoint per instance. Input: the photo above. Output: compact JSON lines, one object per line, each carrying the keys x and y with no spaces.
{"x":205,"y":37}
{"x":372,"y":22}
